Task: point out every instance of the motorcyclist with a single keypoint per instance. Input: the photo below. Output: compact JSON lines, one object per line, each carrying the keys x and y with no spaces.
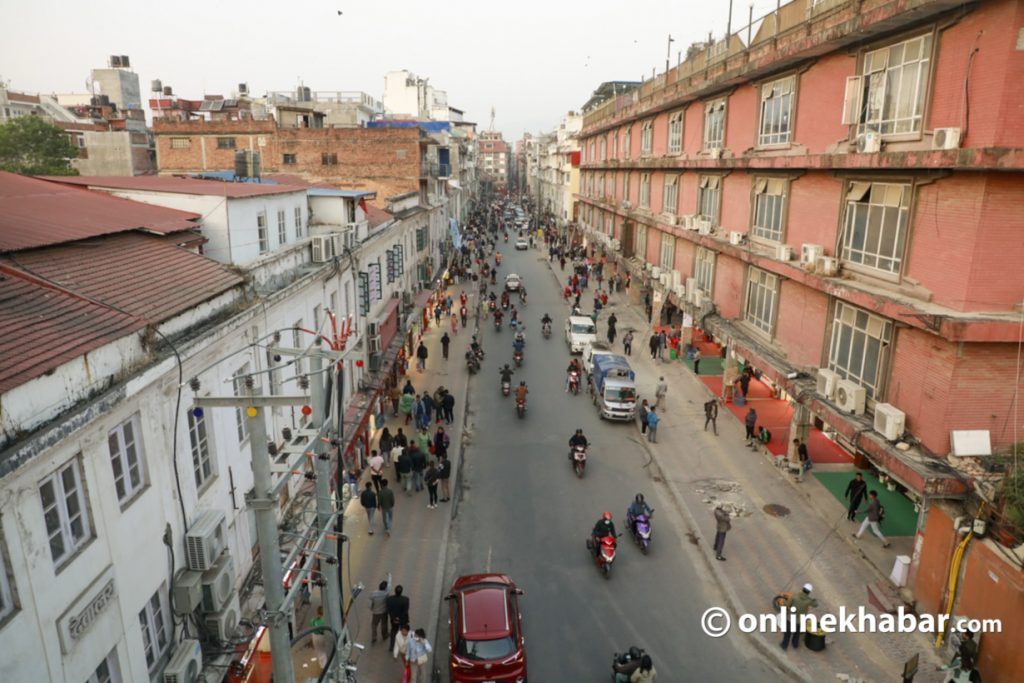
{"x":520,"y":336}
{"x":546,"y":320}
{"x":521,"y":392}
{"x":639,"y":506}
{"x":513,"y":314}
{"x":522,"y":294}
{"x":518,"y":345}
{"x":506,"y":374}
{"x":497,"y":258}
{"x":498,"y":316}
{"x":604,"y":527}
{"x":626,"y":664}
{"x":494,"y":277}
{"x":475,"y":346}
{"x":574,"y":366}
{"x":578,"y":439}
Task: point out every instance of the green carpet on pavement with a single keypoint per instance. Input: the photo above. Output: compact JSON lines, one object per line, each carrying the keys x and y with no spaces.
{"x":708,"y":366}
{"x":900,"y":518}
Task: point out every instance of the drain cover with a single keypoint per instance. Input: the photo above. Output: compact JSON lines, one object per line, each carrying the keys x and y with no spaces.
{"x":776,"y":510}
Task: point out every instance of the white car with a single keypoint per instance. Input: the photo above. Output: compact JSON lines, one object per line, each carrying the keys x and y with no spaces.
{"x":579,"y":331}
{"x":522,"y":243}
{"x":513,"y":282}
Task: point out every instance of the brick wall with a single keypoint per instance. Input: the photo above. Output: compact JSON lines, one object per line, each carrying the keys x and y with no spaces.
{"x":801,"y":323}
{"x":735,"y":210}
{"x":741,"y":114}
{"x":982,"y":392}
{"x":729,"y":281}
{"x":819,"y":110}
{"x":921,"y":385}
{"x":996,"y":280}
{"x":814,"y":204}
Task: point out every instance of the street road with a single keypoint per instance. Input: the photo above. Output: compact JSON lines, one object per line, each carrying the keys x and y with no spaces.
{"x":523,"y":512}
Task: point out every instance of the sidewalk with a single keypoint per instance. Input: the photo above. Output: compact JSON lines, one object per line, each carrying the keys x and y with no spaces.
{"x":809,"y":541}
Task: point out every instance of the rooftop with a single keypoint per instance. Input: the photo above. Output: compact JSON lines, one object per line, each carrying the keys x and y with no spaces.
{"x":179,"y":185}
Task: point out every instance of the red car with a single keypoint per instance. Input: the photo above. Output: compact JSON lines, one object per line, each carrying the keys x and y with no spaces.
{"x":487,"y":644}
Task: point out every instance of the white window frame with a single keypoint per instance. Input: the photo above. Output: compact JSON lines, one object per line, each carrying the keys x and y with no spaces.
{"x":203,"y":464}
{"x":627,"y":142}
{"x":124,"y":443}
{"x":769,"y":215}
{"x":65,"y":520}
{"x":614,"y":148}
{"x":238,"y":383}
{"x":181,"y":143}
{"x":668,"y":252}
{"x":675,"y":133}
{"x":714,"y":124}
{"x":704,"y":269}
{"x":866,"y":334}
{"x":709,"y":198}
{"x":107,"y":671}
{"x":762,"y":294}
{"x":261,"y":232}
{"x":870,"y":206}
{"x":640,"y":242}
{"x":645,"y":190}
{"x":282,"y":228}
{"x":298,"y":221}
{"x":670,"y":194}
{"x":647,"y":138}
{"x":8,"y":596}
{"x":154,"y":620}
{"x":775,"y":123}
{"x":603,"y":147}
{"x":881,"y":99}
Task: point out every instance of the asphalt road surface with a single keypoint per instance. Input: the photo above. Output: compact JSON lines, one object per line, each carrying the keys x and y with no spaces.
{"x":524,"y":513}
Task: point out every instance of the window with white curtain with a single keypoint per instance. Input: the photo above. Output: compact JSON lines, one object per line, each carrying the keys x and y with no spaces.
{"x":769,"y":208}
{"x":709,"y":197}
{"x":647,"y":137}
{"x":875,"y":226}
{"x":714,"y":124}
{"x":675,"y":133}
{"x":704,"y":269}
{"x":776,"y":112}
{"x":668,"y":252}
{"x":645,"y":190}
{"x":889,"y":95}
{"x":762,"y":293}
{"x":670,"y":195}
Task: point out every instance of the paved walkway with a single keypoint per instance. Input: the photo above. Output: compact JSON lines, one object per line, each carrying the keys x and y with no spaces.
{"x":765,"y":554}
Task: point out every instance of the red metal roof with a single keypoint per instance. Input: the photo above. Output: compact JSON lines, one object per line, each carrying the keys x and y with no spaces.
{"x":376,"y":216}
{"x":177,"y":185}
{"x":52,"y":300}
{"x":36,"y":213}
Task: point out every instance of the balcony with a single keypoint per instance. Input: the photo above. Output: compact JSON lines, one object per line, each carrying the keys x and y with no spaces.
{"x":444,"y":170}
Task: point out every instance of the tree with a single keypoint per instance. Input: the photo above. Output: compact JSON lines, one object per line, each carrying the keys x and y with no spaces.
{"x":31,"y":146}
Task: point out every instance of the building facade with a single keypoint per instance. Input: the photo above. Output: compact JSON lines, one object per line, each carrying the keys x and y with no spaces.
{"x":495,"y":159}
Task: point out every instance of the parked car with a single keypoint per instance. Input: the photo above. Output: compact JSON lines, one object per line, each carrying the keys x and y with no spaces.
{"x":486,"y":630}
{"x":579,"y":331}
{"x":513,"y":282}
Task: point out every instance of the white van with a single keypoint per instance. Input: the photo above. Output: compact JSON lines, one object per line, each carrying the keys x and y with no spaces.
{"x":579,"y":331}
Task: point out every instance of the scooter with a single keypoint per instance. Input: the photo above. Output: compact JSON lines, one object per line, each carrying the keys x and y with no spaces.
{"x":605,"y":554}
{"x":578,"y":456}
{"x":623,"y":658}
{"x":546,"y":330}
{"x":479,"y":352}
{"x":521,"y":407}
{"x":574,"y":382}
{"x":517,"y":356}
{"x":641,"y":531}
{"x":497,"y":324}
{"x":506,"y":388}
{"x":472,"y":363}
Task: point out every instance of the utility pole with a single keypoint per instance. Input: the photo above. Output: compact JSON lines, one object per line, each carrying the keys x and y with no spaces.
{"x":668,"y":52}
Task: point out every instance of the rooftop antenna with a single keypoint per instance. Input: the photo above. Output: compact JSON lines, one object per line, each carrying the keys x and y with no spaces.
{"x":492,"y":119}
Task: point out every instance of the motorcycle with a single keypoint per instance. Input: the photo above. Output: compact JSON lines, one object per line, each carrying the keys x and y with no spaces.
{"x":546,"y":330}
{"x":497,"y":324}
{"x":521,"y":407}
{"x":578,"y":456}
{"x":605,"y":553}
{"x":517,"y":357}
{"x":623,"y":658}
{"x":506,"y":387}
{"x":574,"y":382}
{"x":640,"y":528}
{"x":478,"y":351}
{"x":472,"y":363}
{"x":494,"y":279}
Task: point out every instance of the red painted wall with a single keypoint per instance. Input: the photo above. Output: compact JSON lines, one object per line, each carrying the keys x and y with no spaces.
{"x":921,"y":384}
{"x":983,"y":388}
{"x":819,"y":111}
{"x":929,"y":582}
{"x":741,"y":114}
{"x":728,"y":290}
{"x":802,"y":317}
{"x":735,"y":209}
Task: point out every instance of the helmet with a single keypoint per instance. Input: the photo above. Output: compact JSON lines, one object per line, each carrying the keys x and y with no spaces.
{"x":634,"y":653}
{"x":522,"y":384}
{"x":579,"y":431}
{"x":506,"y":366}
{"x":639,"y":497}
{"x":606,"y":516}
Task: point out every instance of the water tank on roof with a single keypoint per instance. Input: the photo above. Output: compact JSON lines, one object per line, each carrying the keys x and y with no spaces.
{"x":168,"y":91}
{"x":304,"y":94}
{"x":247,"y":164}
{"x":124,"y":61}
{"x":156,"y":86}
{"x":104,"y":100}
{"x":243,"y":88}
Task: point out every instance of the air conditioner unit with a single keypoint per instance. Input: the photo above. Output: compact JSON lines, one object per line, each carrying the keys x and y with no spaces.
{"x":680,"y":291}
{"x":735,"y":238}
{"x":373,"y":344}
{"x":827,"y":381}
{"x":686,"y":222}
{"x":188,"y":591}
{"x":889,"y":421}
{"x":946,"y":138}
{"x":828,"y":266}
{"x":691,"y":287}
{"x":783,"y":252}
{"x":205,"y":540}
{"x":810,"y":253}
{"x":704,"y":226}
{"x":715,"y":153}
{"x":223,"y":624}
{"x":656,"y":272}
{"x":698,"y":297}
{"x":375,"y":359}
{"x":373,"y":329}
{"x":869,"y":143}
{"x":677,"y":278}
{"x":350,"y":239}
{"x":322,"y":249}
{"x":186,"y":663}
{"x":616,"y":245}
{"x":218,"y":582}
{"x":850,"y":396}
{"x":666,"y":279}
{"x":337,"y":244}
{"x":626,"y":204}
{"x":670,"y":218}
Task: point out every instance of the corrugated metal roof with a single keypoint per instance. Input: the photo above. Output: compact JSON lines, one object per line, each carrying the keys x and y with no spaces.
{"x":177,"y":185}
{"x":36,"y":213}
{"x":334,"y":192}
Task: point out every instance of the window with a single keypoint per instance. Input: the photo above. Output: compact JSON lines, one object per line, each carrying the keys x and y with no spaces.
{"x":670,"y":195}
{"x":626,"y":183}
{"x":704,"y":269}
{"x":126,"y":458}
{"x":181,"y":143}
{"x":668,"y":252}
{"x":282,"y":228}
{"x":769,"y":202}
{"x":640,"y":243}
{"x":238,"y":382}
{"x":156,"y":629}
{"x":860,"y":346}
{"x":776,"y":112}
{"x":329,"y":159}
{"x":202,"y":463}
{"x":888,"y":97}
{"x":613,"y":183}
{"x":288,"y":159}
{"x":645,"y":190}
{"x":615,"y":145}
{"x":762,"y":293}
{"x":627,"y":142}
{"x":225,"y":143}
{"x":675,"y":133}
{"x":876,"y":225}
{"x":8,"y":598}
{"x":714,"y":124}
{"x":604,"y":147}
{"x":708,"y":198}
{"x":647,"y":137}
{"x":65,"y":510}
{"x":298,"y":221}
{"x":334,"y":304}
{"x":109,"y":670}
{"x":261,"y":231}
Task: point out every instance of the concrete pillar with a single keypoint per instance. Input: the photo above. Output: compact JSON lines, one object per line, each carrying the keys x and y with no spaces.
{"x":799,"y":428}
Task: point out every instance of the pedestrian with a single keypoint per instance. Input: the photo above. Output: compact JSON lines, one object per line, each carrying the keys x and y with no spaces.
{"x":395,"y":394}
{"x":662,"y":343}
{"x":428,"y":409}
{"x":750,"y":421}
{"x":448,"y":407}
{"x":629,"y":280}
{"x":400,"y":647}
{"x":802,"y":456}
{"x":652,"y":425}
{"x":421,"y":357}
{"x":627,"y":343}
{"x":855,"y":491}
{"x":796,"y":607}
{"x":445,"y":341}
{"x":744,"y":381}
{"x":397,"y":606}
{"x":722,"y":527}
{"x":376,"y":464}
{"x":448,"y":305}
{"x":455,"y":324}
{"x":643,"y":416}
{"x":711,"y":415}
{"x":875,"y":514}
{"x":379,"y":610}
{"x":659,"y":392}
{"x":423,"y":441}
{"x":403,"y":469}
{"x":401,"y":439}
{"x":368,"y":499}
{"x":441,"y":442}
{"x":408,"y":388}
{"x":406,"y":405}
{"x":431,"y":478}
{"x":464,"y":312}
{"x":419,"y":465}
{"x":696,"y":361}
{"x":611,"y":332}
{"x":437,"y":314}
{"x":418,"y":655}
{"x":386,"y":443}
{"x":444,"y":473}
{"x":654,"y":343}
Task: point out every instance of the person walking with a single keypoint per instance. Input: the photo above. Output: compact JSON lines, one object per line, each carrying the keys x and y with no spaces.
{"x":397,"y":606}
{"x":421,"y":353}
{"x":875,"y":514}
{"x":659,"y":392}
{"x":448,"y":407}
{"x":797,"y":606}
{"x":408,"y":388}
{"x":376,"y":465}
{"x":444,"y":473}
{"x":403,"y":470}
{"x":368,"y":499}
{"x":711,"y":415}
{"x":379,"y":610}
{"x":418,"y":656}
{"x":696,"y":361}
{"x":802,"y":457}
{"x":654,"y":344}
{"x":750,"y":421}
{"x":627,"y":343}
{"x":428,"y":410}
{"x":612,"y":322}
{"x":855,"y":492}
{"x":464,"y":313}
{"x":445,"y":341}
{"x":662,"y":344}
{"x":441,"y":442}
{"x":386,"y":503}
{"x":386,"y":443}
{"x":395,"y":394}
{"x":642,"y":413}
{"x":430,"y":477}
{"x":455,"y":325}
{"x":400,"y":647}
{"x":744,"y":381}
{"x":406,"y":406}
{"x":652,"y":424}
{"x":423,"y":440}
{"x":401,"y":439}
{"x":419,"y":465}
{"x":722,"y":527}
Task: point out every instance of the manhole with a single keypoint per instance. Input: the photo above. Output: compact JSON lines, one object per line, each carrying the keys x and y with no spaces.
{"x":776,"y":510}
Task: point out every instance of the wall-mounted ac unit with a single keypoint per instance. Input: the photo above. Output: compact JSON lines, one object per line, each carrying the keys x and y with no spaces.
{"x":827,"y":381}
{"x":218,"y":582}
{"x":666,"y":279}
{"x":677,"y":278}
{"x":372,"y":329}
{"x":698,"y":297}
{"x":869,"y":143}
{"x":656,"y":272}
{"x":322,"y":248}
{"x":670,"y":218}
{"x":889,"y":421}
{"x":680,"y":291}
{"x":337,"y":243}
{"x":616,"y":245}
{"x":223,"y":624}
{"x":205,"y":540}
{"x":704,"y":226}
{"x":691,"y":287}
{"x":735,"y":238}
{"x":946,"y":138}
{"x":349,"y":238}
{"x":186,"y":663}
{"x":783,"y":252}
{"x":828,"y":266}
{"x":626,"y":204}
{"x":810,"y":253}
{"x":188,"y":591}
{"x":373,"y":345}
{"x":688,"y":222}
{"x":850,"y":396}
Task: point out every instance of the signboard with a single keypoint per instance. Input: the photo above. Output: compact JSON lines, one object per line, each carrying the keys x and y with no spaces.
{"x":390,"y":269}
{"x":93,"y":605}
{"x":364,"y":293}
{"x":453,"y":225}
{"x":400,"y":259}
{"x":373,"y":280}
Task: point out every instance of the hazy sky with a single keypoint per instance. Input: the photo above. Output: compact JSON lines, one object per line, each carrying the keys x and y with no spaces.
{"x":532,"y":60}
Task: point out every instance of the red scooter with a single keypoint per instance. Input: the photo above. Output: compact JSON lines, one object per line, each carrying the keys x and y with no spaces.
{"x":578,"y":456}
{"x":574,"y":382}
{"x":605,"y":554}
